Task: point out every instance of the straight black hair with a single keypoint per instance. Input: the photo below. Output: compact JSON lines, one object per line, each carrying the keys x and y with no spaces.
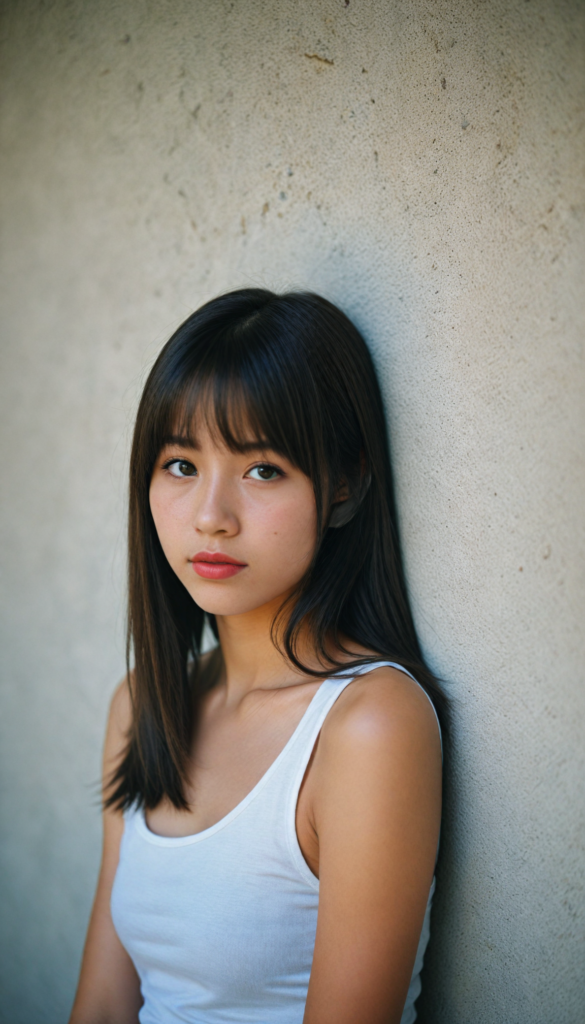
{"x":292,"y":372}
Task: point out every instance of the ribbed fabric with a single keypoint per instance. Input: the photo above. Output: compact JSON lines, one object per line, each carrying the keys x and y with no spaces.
{"x":221,"y":924}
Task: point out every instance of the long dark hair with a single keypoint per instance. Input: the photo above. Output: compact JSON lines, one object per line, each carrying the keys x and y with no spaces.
{"x":293,"y":371}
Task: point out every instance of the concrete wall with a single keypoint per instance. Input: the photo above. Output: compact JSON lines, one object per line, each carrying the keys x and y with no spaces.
{"x":421,"y":164}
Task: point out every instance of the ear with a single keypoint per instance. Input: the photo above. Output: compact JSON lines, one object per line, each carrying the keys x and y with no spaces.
{"x":342,"y":492}
{"x":348,"y":499}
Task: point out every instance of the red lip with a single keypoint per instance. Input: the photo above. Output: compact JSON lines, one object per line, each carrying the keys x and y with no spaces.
{"x":216,"y":556}
{"x":214,"y":565}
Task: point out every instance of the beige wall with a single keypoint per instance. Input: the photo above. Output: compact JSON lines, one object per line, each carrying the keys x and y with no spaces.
{"x":421,"y":164}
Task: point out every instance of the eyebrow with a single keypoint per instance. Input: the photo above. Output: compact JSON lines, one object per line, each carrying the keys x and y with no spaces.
{"x":183,"y":441}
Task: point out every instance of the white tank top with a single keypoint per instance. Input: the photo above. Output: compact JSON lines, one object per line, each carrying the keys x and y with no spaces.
{"x":221,"y":925}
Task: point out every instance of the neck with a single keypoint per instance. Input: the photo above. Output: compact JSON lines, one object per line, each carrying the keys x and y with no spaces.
{"x":251,"y":660}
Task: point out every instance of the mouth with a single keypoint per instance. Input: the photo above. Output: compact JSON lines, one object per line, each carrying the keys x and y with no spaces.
{"x":214,"y":565}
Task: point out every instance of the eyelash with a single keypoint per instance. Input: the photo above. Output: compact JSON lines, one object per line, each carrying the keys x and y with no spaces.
{"x":267,"y":465}
{"x":177,"y":462}
{"x":260,"y":465}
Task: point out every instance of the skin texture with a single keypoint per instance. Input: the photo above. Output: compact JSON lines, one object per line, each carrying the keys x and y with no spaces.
{"x":369,"y":808}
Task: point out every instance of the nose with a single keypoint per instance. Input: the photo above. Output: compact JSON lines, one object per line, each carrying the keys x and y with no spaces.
{"x":214,"y":511}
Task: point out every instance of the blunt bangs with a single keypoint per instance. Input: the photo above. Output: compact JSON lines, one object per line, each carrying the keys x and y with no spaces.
{"x":239,"y":406}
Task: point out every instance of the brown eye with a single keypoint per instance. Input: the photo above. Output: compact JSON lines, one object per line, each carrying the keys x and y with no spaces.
{"x":180,"y":468}
{"x":264,"y":473}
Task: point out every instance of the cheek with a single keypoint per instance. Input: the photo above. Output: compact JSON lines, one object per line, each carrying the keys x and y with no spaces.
{"x":168,"y":518}
{"x":288,"y":534}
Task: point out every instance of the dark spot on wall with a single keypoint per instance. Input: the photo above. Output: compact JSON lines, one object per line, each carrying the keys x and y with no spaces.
{"x":321,"y":60}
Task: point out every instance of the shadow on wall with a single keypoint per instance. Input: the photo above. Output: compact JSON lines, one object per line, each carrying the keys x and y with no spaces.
{"x":436,"y":995}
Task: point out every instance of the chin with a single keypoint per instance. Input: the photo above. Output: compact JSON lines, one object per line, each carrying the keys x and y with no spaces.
{"x":228,"y":604}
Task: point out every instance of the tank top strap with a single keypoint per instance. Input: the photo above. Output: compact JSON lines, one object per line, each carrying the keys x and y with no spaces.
{"x":303,"y":743}
{"x":328,"y":693}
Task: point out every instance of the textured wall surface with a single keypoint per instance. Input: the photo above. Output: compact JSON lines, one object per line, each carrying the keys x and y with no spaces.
{"x":420,"y":163}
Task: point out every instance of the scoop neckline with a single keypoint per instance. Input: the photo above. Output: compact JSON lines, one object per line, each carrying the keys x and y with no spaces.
{"x":197,"y":837}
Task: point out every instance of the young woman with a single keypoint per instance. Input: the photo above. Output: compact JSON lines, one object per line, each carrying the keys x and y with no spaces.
{"x":272,"y":806}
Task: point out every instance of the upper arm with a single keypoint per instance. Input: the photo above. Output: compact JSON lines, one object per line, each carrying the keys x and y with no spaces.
{"x":376,"y":809}
{"x":109,"y":989}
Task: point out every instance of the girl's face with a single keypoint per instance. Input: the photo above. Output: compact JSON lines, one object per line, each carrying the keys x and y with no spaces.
{"x":239,"y":530}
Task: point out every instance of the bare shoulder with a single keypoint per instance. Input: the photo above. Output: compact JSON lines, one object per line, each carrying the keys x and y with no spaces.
{"x":120,"y":715}
{"x":119,"y":722}
{"x":377,"y":766}
{"x":121,"y":704}
{"x":381,"y":706}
